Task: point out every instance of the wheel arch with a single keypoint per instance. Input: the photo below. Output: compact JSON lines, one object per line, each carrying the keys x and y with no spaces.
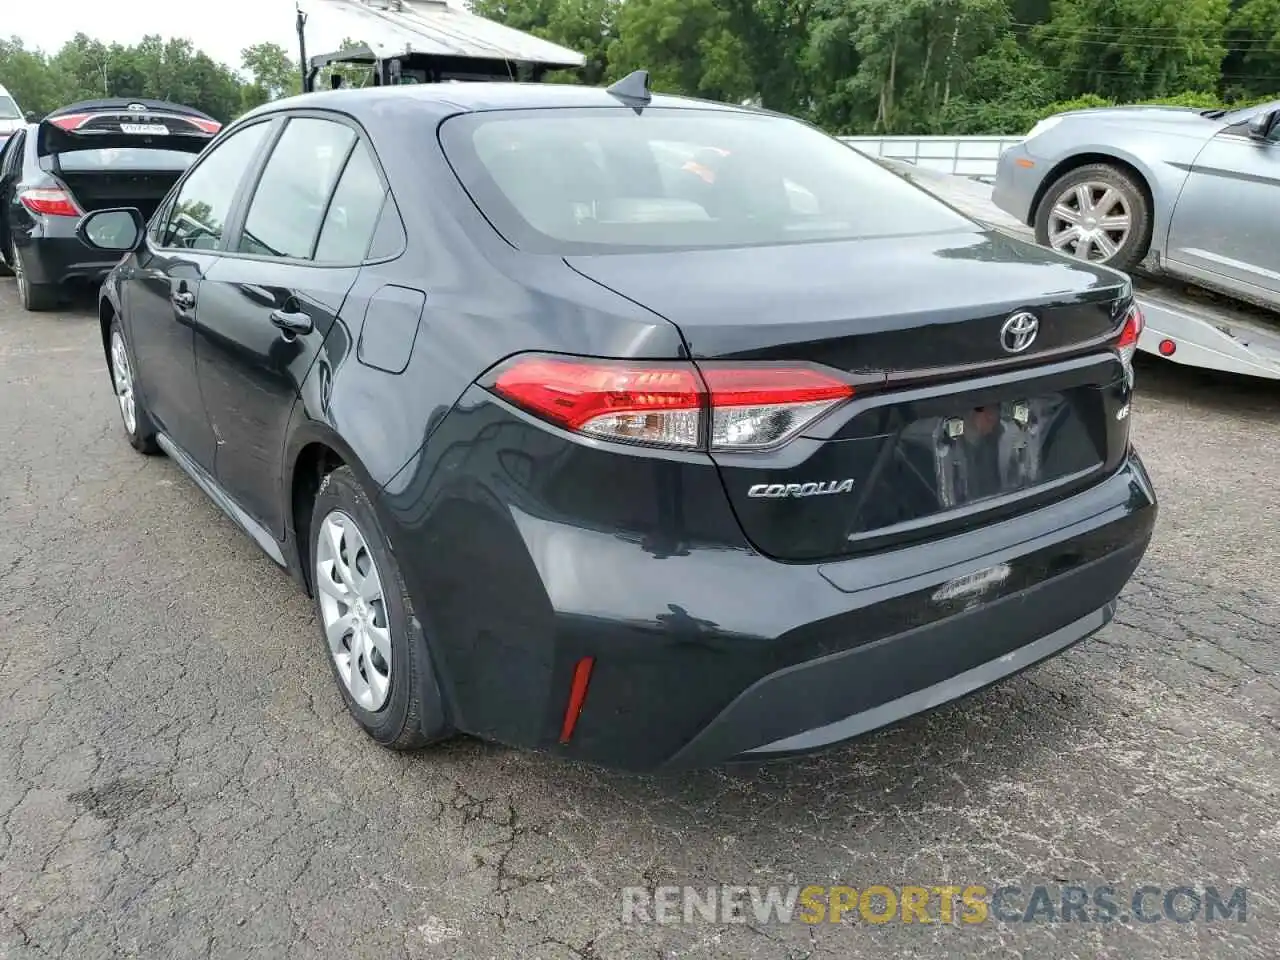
{"x":315,"y":450}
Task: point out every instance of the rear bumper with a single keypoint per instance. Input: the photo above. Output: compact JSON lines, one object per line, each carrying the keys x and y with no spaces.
{"x":709,"y":654}
{"x":52,"y":258}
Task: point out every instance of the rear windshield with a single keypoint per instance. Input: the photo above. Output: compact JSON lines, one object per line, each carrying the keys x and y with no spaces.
{"x":9,"y":109}
{"x":597,"y":181}
{"x":124,"y":158}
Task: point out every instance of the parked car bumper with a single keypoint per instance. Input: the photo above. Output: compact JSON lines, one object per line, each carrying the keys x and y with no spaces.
{"x":1018,"y":177}
{"x":705,"y":655}
{"x":52,"y":254}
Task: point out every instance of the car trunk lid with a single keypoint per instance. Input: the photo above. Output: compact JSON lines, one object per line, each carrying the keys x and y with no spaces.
{"x":114,"y":124}
{"x":948,"y":426}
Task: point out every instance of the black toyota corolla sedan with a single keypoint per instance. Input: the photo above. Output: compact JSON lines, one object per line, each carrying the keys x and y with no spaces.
{"x":642,"y":430}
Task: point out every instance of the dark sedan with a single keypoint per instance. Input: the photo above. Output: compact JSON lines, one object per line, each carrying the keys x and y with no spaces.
{"x":99,"y":154}
{"x":641,"y":430}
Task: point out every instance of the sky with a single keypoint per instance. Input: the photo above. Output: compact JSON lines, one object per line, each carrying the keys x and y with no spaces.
{"x":221,"y":28}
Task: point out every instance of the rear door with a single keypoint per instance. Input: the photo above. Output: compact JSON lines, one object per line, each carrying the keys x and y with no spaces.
{"x":267,"y":305}
{"x":1227,"y":220}
{"x":10,"y":174}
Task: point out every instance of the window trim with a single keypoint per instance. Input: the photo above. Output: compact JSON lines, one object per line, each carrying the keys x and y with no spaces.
{"x":237,"y":196}
{"x":236,"y":225}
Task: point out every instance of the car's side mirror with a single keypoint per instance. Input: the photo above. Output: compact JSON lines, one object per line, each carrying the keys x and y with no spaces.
{"x":119,"y":230}
{"x":1263,"y":126}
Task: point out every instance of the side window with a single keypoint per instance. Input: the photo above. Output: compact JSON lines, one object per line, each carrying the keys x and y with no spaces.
{"x":353,"y":212}
{"x":289,"y":202}
{"x":200,"y":210}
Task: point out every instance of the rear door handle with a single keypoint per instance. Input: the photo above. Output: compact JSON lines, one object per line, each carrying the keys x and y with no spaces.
{"x":184,"y":300}
{"x":293,"y":323}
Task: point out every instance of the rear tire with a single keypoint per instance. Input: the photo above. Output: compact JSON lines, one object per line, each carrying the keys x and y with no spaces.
{"x":35,"y":297}
{"x":1098,"y":213}
{"x":371,"y":637}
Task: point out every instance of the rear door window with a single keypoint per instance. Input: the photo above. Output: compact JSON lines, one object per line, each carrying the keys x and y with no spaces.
{"x":353,"y":212}
{"x":291,"y":198}
{"x":199,"y":215}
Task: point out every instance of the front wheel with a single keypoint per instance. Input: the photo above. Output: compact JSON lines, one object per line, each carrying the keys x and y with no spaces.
{"x":137,"y":425}
{"x":1097,"y":213}
{"x":374,"y":643}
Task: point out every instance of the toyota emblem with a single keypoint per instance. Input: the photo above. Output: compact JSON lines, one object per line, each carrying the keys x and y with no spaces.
{"x":1019,"y":332}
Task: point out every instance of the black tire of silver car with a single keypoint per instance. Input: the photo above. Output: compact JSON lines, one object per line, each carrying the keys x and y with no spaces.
{"x":138,"y":426}
{"x":363,"y":608}
{"x":1097,"y":212}
{"x":35,"y":297}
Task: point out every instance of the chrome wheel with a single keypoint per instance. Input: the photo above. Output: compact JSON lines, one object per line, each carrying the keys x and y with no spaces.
{"x":353,"y":609}
{"x":122,"y":376}
{"x":1090,"y":221}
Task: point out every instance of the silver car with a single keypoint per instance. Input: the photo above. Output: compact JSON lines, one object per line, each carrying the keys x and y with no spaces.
{"x":1194,"y":194}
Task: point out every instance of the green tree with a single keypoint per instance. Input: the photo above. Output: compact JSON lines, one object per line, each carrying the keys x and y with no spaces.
{"x":688,"y":46}
{"x":1131,"y":49}
{"x":273,"y":74}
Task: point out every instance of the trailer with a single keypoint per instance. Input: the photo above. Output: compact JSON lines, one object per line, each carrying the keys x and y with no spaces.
{"x":1184,"y":324}
{"x":421,"y":41}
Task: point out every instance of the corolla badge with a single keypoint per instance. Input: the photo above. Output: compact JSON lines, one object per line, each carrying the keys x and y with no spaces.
{"x":776,"y":491}
{"x":1019,"y":332}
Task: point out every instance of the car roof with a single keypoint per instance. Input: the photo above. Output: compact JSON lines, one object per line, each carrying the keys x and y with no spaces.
{"x":474,"y":97}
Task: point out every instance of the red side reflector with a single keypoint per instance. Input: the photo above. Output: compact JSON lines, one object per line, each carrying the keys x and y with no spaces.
{"x":577,"y":694}
{"x":49,"y":201}
{"x":1168,"y":348}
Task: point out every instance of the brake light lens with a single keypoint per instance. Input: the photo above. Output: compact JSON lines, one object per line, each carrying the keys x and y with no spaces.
{"x":208,"y":126}
{"x":757,"y":407}
{"x":49,"y":202}
{"x":1130,"y":333}
{"x":70,"y":121}
{"x":721,"y":407}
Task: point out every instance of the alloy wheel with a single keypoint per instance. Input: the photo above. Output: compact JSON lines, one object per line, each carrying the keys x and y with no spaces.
{"x":1090,"y":221}
{"x":353,"y":610}
{"x":122,"y":377}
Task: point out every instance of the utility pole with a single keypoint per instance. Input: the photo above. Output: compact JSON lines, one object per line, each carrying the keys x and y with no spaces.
{"x":302,"y":45}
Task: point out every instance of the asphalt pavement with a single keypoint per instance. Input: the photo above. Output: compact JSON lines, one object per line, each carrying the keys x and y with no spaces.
{"x":178,"y":778}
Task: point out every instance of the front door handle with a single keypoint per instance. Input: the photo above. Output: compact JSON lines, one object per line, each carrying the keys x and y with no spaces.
{"x":292,"y":323}
{"x":184,"y":300}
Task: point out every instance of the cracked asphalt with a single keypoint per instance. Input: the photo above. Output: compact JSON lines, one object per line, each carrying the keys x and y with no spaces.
{"x":178,"y":778}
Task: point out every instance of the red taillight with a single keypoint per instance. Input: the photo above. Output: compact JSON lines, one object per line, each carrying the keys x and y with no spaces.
{"x":49,"y":201}
{"x":208,"y":126}
{"x":728,"y":407}
{"x":1127,"y":343}
{"x":70,"y":121}
{"x":754,"y":407}
{"x":1132,"y":329}
{"x":622,"y":401}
